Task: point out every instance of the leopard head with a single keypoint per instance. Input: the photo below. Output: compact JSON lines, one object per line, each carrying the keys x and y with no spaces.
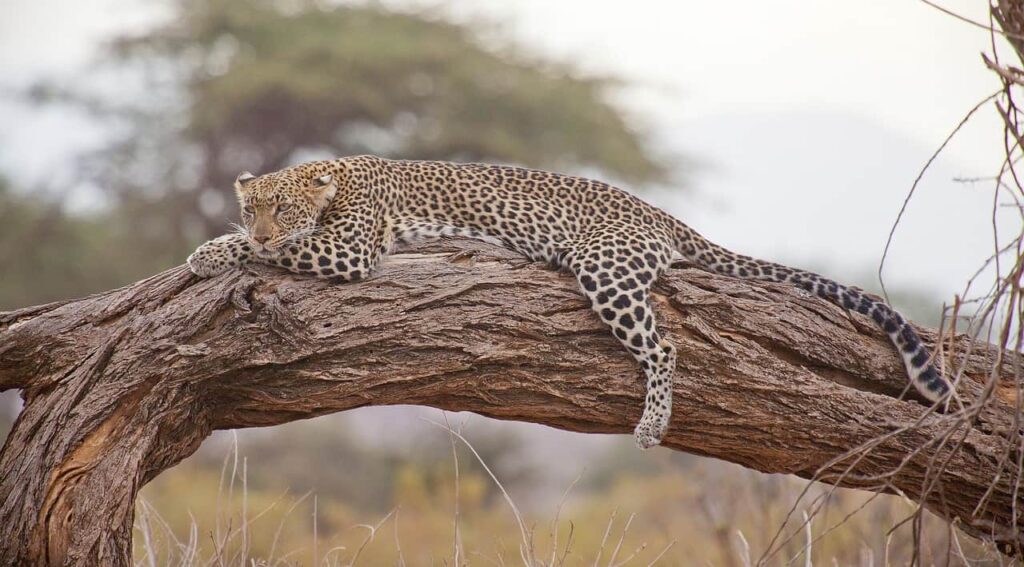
{"x":283,"y":206}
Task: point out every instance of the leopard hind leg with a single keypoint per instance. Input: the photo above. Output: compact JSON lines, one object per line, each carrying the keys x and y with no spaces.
{"x":617,"y":279}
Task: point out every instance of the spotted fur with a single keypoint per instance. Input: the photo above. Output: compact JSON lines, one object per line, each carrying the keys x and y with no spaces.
{"x":338,"y":219}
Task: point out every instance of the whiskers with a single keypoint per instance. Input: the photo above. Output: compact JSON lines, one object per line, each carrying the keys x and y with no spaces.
{"x":303,"y":233}
{"x":239,"y":229}
{"x":294,"y":236}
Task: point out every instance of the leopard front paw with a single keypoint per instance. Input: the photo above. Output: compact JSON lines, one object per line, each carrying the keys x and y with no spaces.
{"x":205,"y":266}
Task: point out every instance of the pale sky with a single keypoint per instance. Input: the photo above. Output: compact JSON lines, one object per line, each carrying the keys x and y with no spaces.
{"x":811,"y":118}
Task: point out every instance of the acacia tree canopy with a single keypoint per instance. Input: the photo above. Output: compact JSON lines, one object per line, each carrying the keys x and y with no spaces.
{"x":263,"y":86}
{"x":231,"y":85}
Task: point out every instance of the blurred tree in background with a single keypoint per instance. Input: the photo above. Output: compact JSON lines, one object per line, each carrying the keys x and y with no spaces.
{"x":262,"y":85}
{"x":50,"y":253}
{"x":232,"y":85}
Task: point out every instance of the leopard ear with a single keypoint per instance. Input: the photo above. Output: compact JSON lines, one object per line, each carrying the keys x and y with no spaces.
{"x":323,"y":190}
{"x":242,"y":179}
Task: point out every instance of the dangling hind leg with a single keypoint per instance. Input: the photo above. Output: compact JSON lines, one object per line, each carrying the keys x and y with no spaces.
{"x":658,"y":360}
{"x":660,"y":370}
{"x":619,"y":293}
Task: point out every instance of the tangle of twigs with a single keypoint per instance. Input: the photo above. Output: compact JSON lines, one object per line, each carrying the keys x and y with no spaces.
{"x":993,"y":314}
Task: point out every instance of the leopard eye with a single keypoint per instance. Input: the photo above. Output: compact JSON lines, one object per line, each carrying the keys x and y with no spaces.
{"x":248,"y":209}
{"x":284,"y":207}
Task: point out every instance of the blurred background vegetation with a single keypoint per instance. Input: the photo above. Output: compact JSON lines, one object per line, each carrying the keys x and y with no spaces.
{"x":232,"y":85}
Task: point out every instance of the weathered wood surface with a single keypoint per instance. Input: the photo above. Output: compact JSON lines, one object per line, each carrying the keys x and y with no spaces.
{"x":124,"y":384}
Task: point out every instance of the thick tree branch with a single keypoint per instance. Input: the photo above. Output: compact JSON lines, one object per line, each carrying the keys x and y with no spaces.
{"x":122,"y":385}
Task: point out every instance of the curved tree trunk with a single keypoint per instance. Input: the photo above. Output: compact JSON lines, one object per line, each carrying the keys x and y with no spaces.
{"x":121,"y":385}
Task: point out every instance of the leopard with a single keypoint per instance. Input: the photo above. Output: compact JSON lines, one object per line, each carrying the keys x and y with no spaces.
{"x":339,"y":218}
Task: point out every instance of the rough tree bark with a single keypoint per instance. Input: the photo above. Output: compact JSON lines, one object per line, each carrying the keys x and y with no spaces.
{"x":121,"y":385}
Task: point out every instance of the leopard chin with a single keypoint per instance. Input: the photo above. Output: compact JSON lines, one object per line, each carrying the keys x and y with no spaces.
{"x":267,"y":253}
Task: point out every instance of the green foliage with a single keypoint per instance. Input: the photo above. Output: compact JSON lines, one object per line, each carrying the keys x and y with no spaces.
{"x":230,"y":85}
{"x":278,"y":81}
{"x":261,"y":85}
{"x":49,"y":254}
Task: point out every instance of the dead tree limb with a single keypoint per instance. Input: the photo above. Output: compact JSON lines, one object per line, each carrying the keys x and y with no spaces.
{"x":121,"y":385}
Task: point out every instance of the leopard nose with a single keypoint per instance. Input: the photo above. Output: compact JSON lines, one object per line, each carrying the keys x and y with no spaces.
{"x":261,"y":239}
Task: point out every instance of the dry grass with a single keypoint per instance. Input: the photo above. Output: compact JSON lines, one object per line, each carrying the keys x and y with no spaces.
{"x":709,"y":514}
